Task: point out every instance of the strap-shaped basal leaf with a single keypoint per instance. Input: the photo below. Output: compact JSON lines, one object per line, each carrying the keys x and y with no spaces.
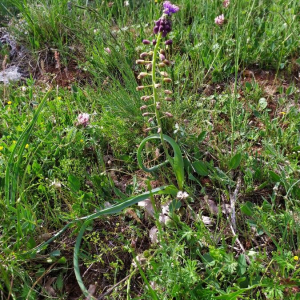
{"x":107,"y":211}
{"x":176,"y":162}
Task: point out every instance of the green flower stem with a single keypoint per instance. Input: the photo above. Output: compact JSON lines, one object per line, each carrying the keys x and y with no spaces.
{"x":155,"y":97}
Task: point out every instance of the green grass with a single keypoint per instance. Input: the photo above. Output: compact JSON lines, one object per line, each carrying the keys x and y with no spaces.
{"x":236,"y":122}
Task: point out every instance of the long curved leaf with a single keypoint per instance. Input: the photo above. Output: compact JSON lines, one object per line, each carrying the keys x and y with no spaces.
{"x":176,"y":163}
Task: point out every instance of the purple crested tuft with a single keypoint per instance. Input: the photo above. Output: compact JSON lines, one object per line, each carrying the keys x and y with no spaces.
{"x":170,"y":8}
{"x":146,"y":42}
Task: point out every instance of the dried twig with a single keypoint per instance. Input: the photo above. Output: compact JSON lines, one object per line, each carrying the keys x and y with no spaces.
{"x":232,"y":220}
{"x":110,"y":290}
{"x":233,"y":198}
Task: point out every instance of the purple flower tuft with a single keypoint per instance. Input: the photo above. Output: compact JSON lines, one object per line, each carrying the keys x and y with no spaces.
{"x":219,"y":20}
{"x":170,"y":8}
{"x":83,"y":119}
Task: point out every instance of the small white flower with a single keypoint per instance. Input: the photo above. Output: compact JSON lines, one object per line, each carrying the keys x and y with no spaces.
{"x":163,"y":217}
{"x":182,"y":195}
{"x":148,"y":207}
{"x":140,"y":259}
{"x":153,"y":235}
{"x":126,"y":3}
{"x":55,"y":184}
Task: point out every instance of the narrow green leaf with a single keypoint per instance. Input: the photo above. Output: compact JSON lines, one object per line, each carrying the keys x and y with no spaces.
{"x":274,"y":177}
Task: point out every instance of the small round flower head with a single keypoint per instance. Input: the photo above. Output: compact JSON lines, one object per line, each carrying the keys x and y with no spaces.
{"x":146,"y":42}
{"x":83,"y":119}
{"x":107,"y":50}
{"x":170,"y":8}
{"x":226,"y":3}
{"x":219,"y":20}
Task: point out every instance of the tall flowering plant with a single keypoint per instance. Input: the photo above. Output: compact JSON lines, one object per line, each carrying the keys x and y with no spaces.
{"x":160,"y":78}
{"x":156,"y":62}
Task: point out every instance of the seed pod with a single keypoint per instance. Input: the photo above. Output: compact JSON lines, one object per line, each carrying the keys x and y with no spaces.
{"x":140,"y":62}
{"x":169,"y":42}
{"x":143,"y":97}
{"x":167,"y":80}
{"x":147,"y":98}
{"x":153,"y":42}
{"x":168,"y":99}
{"x":140,"y":87}
{"x":162,"y":51}
{"x":157,"y":85}
{"x":168,"y":92}
{"x":167,"y":62}
{"x":161,"y":65}
{"x":149,"y":67}
{"x":145,"y":114}
{"x":143,"y":55}
{"x":142,"y":75}
{"x":150,"y":120}
{"x":143,"y":107}
{"x":158,"y":105}
{"x":146,"y":42}
{"x":147,"y":129}
{"x":164,"y":74}
{"x":150,"y":53}
{"x":168,"y":115}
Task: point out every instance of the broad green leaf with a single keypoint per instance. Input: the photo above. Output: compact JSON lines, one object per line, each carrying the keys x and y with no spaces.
{"x":247,"y":208}
{"x":235,"y":161}
{"x":200,"y":167}
{"x":242,"y":265}
{"x":262,"y":103}
{"x":201,"y":136}
{"x":74,"y":183}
